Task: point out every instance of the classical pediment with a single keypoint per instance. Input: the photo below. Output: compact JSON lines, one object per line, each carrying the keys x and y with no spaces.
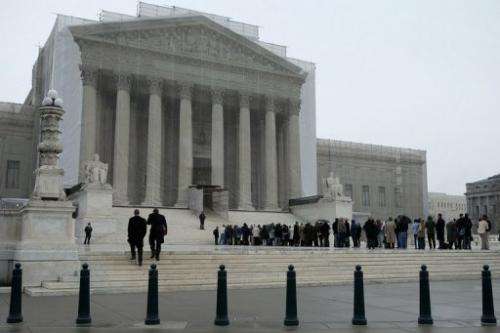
{"x":194,"y":37}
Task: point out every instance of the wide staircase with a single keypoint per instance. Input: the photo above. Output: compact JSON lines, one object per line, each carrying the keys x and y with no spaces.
{"x":263,"y":267}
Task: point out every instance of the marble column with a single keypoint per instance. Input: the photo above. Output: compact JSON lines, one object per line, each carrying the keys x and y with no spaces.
{"x":122,"y":134}
{"x":244,"y":156}
{"x":294,"y":174}
{"x":185,"y":177}
{"x":89,"y":113}
{"x":217,"y":151}
{"x":271,"y":157}
{"x":154,"y":160}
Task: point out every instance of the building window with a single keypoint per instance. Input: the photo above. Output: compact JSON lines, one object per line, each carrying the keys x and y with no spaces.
{"x":381,"y":196}
{"x":397,"y":197}
{"x":12,"y":178}
{"x":366,"y":195}
{"x":348,"y":190}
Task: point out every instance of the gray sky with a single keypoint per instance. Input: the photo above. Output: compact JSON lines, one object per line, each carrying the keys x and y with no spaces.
{"x":421,"y":74}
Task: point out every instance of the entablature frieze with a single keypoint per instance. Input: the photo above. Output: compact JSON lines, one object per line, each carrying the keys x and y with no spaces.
{"x":174,"y":68}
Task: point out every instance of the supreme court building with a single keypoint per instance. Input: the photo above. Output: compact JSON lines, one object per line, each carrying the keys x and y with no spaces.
{"x":172,"y":99}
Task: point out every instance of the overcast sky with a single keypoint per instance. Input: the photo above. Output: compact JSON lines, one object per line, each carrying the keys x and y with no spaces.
{"x":420,"y":74}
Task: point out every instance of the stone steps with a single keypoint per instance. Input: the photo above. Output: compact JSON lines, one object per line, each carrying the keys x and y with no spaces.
{"x":250,"y":267}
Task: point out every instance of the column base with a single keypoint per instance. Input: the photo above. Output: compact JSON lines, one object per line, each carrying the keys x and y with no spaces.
{"x":181,"y":205}
{"x":272,"y":208}
{"x":151,"y":203}
{"x":246,"y":207}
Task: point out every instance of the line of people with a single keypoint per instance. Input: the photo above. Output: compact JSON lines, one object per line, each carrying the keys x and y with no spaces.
{"x":390,"y":234}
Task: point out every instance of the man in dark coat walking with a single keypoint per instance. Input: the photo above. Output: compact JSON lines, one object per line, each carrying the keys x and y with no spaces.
{"x":88,"y":234}
{"x":157,"y":232}
{"x":440,"y":227}
{"x":136,"y":232}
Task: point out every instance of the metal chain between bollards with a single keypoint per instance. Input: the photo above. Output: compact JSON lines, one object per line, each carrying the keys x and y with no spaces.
{"x":15,"y":310}
{"x":291,"y":298}
{"x":425,"y":317}
{"x":488,"y":317}
{"x":152,"y":317}
{"x":84,"y":296}
{"x":359,"y":298}
{"x":221,"y":318}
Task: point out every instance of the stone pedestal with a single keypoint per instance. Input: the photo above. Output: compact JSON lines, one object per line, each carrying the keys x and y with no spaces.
{"x":311,"y":209}
{"x":47,"y":249}
{"x":95,"y":203}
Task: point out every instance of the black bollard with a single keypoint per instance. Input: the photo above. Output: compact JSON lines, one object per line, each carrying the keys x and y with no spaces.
{"x":221,"y":311}
{"x":291,"y":299}
{"x":359,"y":298}
{"x":84,"y":296}
{"x":425,"y":317}
{"x":15,"y":311}
{"x":152,"y":317}
{"x":488,"y":317}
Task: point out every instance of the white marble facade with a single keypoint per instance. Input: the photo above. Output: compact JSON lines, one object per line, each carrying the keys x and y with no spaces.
{"x":172,"y":102}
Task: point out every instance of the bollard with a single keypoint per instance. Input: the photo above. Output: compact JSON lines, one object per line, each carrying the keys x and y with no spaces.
{"x":488,"y":317}
{"x":291,"y":299}
{"x":152,"y":317}
{"x":359,"y":298}
{"x":221,"y":311}
{"x":15,"y":311}
{"x":84,"y":296}
{"x":425,"y":317}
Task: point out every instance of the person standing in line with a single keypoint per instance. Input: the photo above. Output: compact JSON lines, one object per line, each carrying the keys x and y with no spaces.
{"x":440,"y":226}
{"x":430,"y":225}
{"x":88,"y":234}
{"x":296,"y":234}
{"x":451,"y":234}
{"x":202,"y":220}
{"x":355,"y":233}
{"x":157,"y":232}
{"x":136,"y":231}
{"x":421,"y":235}
{"x":482,"y":230}
{"x":403,"y":222}
{"x":381,"y":233}
{"x":467,"y":232}
{"x":256,"y":235}
{"x":216,"y":235}
{"x":459,"y":225}
{"x":390,"y":233}
{"x":414,"y":228}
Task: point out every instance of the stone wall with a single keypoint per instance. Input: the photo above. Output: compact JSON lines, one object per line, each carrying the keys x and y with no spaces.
{"x":16,"y":144}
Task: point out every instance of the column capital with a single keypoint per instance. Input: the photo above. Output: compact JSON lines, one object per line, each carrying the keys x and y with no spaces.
{"x":185,"y":90}
{"x":244,"y":99}
{"x":155,"y":85}
{"x":217,"y":95}
{"x":89,"y":75}
{"x":269,"y":103}
{"x":294,"y":106}
{"x":123,"y":81}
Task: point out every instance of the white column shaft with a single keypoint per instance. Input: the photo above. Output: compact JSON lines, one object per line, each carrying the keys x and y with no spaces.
{"x":154,"y":161}
{"x":271,"y":160}
{"x":185,"y":178}
{"x":89,"y":122}
{"x":244,"y":157}
{"x":295,"y":182}
{"x":121,"y":147}
{"x":217,"y":151}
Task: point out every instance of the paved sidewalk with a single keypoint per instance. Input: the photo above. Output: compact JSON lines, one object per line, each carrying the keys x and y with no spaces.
{"x":390,"y":308}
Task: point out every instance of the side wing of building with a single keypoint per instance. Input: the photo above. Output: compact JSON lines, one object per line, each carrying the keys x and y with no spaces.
{"x":382,"y":181}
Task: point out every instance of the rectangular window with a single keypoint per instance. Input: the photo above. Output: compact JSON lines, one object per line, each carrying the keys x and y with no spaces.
{"x":12,"y":178}
{"x":366,"y":195}
{"x":381,"y":196}
{"x":397,"y":197}
{"x":348,"y":190}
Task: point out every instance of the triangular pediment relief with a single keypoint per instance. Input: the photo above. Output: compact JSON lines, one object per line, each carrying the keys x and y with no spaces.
{"x":198,"y":38}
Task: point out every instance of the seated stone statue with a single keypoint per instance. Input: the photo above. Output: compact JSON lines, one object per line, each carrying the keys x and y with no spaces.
{"x":95,"y":172}
{"x":332,"y":189}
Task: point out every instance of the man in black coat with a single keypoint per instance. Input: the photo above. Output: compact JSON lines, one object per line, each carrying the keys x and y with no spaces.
{"x":202,"y":220}
{"x":157,"y":232}
{"x":440,"y":226}
{"x":136,"y":232}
